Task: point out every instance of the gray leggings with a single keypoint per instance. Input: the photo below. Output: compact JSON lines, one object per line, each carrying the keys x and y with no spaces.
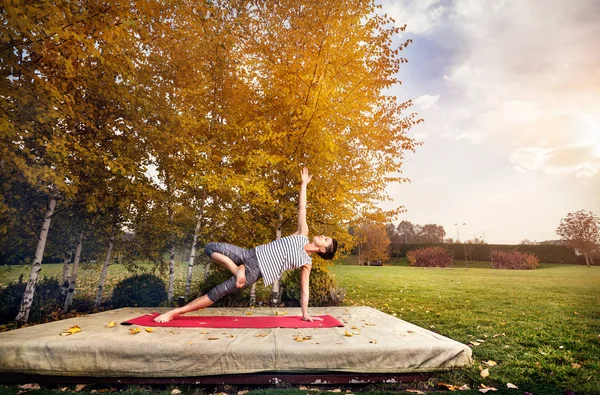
{"x":240,"y":256}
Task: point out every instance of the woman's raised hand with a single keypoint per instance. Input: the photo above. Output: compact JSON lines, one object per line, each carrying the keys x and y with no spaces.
{"x":305,"y":176}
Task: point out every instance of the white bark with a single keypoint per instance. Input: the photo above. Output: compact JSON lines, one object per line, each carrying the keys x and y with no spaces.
{"x":65,"y":273}
{"x":171,"y":263}
{"x":587,"y":259}
{"x":111,"y":243}
{"x":207,"y":269}
{"x":276,"y":288}
{"x":188,"y":281}
{"x":36,"y":266}
{"x":171,"y":273}
{"x":74,"y":272}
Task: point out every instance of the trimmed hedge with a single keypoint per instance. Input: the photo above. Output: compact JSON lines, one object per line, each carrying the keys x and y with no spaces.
{"x":546,"y":253}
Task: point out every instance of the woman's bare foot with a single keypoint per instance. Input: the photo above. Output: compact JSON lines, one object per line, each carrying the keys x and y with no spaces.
{"x":166,"y":317}
{"x":240,"y":277}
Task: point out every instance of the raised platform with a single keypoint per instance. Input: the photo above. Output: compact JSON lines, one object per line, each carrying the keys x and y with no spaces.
{"x":372,"y":344}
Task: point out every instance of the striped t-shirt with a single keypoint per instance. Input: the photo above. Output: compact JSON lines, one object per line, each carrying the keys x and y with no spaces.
{"x":281,"y":255}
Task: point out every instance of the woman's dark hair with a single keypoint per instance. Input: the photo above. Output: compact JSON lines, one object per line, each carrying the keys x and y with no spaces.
{"x":330,"y":251}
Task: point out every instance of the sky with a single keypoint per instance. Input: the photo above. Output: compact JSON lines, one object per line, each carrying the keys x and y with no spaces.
{"x":510,"y":94}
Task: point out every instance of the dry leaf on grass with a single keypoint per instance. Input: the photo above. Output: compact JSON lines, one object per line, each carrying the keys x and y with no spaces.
{"x":175,"y":391}
{"x":111,"y":324}
{"x":484,"y":373}
{"x":464,"y":387}
{"x":31,"y":386}
{"x":490,"y":363}
{"x":79,"y":387}
{"x":484,"y":388}
{"x":449,"y":387}
{"x":511,"y":385}
{"x":415,"y":391}
{"x":576,"y":366}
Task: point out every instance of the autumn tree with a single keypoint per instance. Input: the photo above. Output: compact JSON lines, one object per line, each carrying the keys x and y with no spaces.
{"x":431,"y":233}
{"x":406,"y":231}
{"x":373,"y":242}
{"x":581,"y":230}
{"x":319,"y":71}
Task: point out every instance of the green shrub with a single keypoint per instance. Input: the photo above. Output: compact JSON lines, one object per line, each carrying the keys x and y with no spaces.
{"x":430,"y":257}
{"x":323,"y":291}
{"x":513,"y":260}
{"x":142,"y":290}
{"x":46,"y":299}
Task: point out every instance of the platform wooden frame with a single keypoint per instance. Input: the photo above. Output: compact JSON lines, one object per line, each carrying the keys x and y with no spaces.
{"x":273,"y":378}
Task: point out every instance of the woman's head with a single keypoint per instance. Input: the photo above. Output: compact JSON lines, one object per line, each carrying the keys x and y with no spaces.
{"x":327,"y":245}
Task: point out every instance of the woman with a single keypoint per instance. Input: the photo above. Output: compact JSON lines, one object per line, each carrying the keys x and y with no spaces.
{"x":267,"y":261}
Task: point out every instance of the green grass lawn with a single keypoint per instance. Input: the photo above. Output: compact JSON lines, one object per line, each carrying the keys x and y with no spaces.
{"x":541,"y":327}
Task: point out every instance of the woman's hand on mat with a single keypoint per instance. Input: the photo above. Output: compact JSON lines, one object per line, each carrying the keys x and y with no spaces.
{"x":311,"y":319}
{"x":305,"y":176}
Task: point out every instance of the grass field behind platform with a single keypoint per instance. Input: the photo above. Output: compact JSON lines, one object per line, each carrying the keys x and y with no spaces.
{"x":541,"y":327}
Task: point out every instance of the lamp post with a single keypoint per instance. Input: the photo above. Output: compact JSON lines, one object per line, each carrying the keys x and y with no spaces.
{"x":457,"y":228}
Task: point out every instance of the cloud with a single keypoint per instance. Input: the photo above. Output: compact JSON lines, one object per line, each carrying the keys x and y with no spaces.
{"x":580,"y":161}
{"x":426,"y":101}
{"x":419,"y":15}
{"x":531,"y":158}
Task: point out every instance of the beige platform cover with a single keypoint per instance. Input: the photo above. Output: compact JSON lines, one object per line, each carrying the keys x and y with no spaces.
{"x":379,"y":343}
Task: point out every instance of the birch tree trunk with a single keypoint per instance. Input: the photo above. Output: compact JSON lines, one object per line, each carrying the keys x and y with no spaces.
{"x":276,"y":288}
{"x":188,"y":281}
{"x":587,"y":259}
{"x":207,"y":269}
{"x":111,"y":243}
{"x":74,"y":271}
{"x":171,"y":263}
{"x":171,"y":273}
{"x":36,"y":266}
{"x":65,"y":274}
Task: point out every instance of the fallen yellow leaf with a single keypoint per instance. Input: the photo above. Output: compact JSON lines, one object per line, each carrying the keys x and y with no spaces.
{"x":74,"y":329}
{"x":347,"y":334}
{"x":213,"y":338}
{"x":248,"y":313}
{"x":490,"y":363}
{"x":111,"y":324}
{"x":133,"y":331}
{"x":449,"y":387}
{"x":149,"y":330}
{"x":484,"y":373}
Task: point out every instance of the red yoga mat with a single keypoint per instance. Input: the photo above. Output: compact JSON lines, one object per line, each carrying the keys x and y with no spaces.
{"x":235,"y":322}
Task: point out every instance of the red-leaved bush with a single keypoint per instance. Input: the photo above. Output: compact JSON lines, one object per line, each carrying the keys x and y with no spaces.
{"x":430,"y":257}
{"x":513,"y":260}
